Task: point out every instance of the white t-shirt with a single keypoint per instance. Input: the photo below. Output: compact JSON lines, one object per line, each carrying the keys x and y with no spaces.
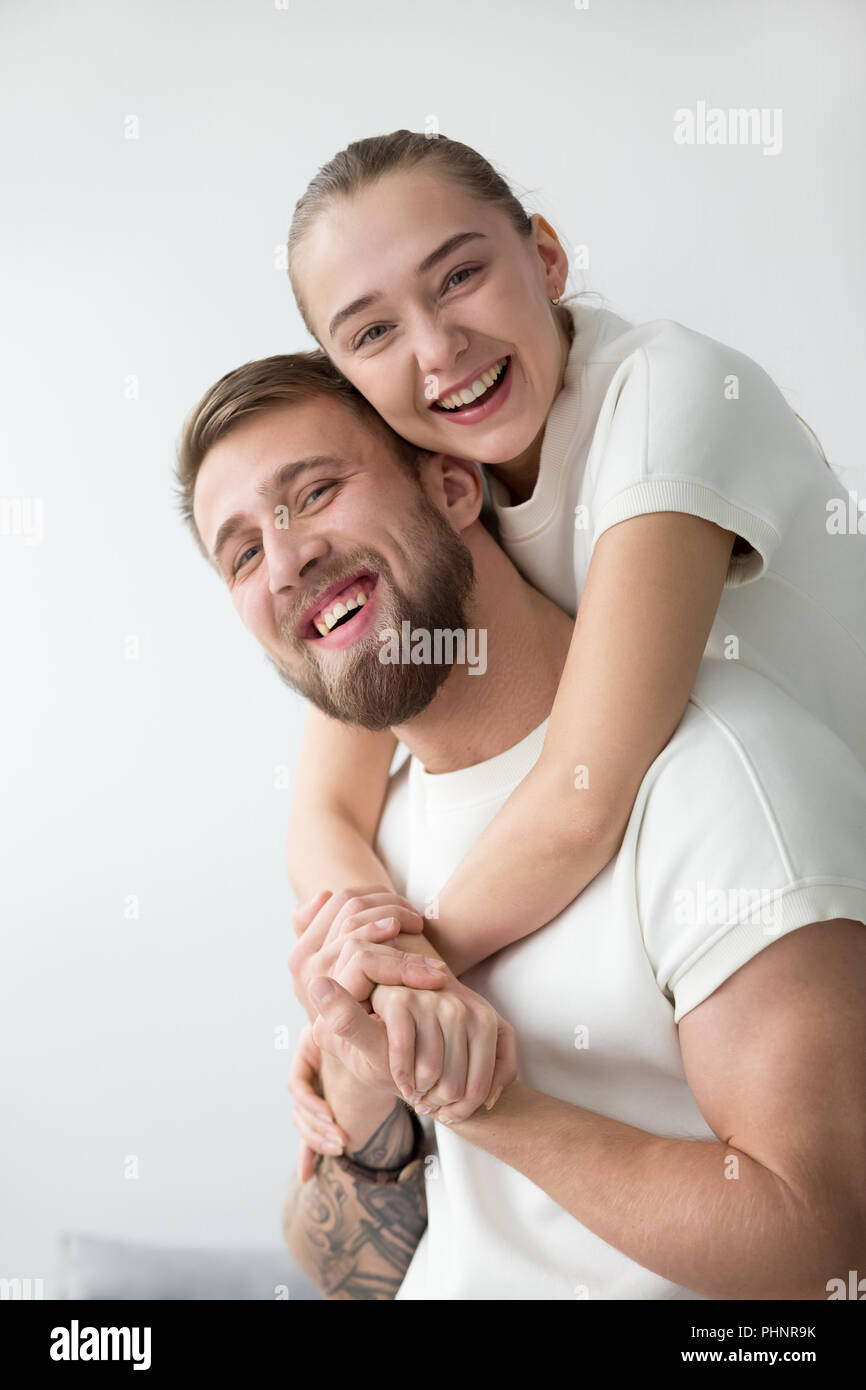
{"x":660,"y":418}
{"x":749,"y":824}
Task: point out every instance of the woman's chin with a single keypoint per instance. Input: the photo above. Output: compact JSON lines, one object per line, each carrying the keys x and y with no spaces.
{"x":502,"y":445}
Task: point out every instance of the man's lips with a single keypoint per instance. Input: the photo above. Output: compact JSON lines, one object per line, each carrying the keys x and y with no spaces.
{"x":362,"y":580}
{"x":361,"y":621}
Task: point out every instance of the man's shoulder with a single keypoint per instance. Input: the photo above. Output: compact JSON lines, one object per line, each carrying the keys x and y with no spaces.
{"x":750,"y":823}
{"x":744,"y":743}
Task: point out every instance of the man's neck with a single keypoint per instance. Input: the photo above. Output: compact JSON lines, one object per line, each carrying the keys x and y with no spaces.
{"x":474,"y":717}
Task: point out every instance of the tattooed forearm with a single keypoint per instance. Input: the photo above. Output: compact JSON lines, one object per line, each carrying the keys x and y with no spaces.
{"x":390,"y":1145}
{"x":353,"y":1237}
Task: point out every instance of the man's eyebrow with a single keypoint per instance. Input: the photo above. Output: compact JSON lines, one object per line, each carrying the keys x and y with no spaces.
{"x":281,"y":478}
{"x":357,"y":306}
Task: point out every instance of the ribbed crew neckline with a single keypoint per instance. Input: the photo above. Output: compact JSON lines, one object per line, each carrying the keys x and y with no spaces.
{"x":494,"y":778}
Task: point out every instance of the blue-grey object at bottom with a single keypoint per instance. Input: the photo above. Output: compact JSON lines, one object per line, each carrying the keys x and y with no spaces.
{"x":91,"y":1267}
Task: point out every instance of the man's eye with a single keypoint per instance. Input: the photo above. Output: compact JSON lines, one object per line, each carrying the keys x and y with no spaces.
{"x":371,"y":335}
{"x":323,"y":487}
{"x":241,"y":560}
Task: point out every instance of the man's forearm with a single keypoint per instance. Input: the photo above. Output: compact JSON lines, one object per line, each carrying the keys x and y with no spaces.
{"x":354,"y":1237}
{"x":703,"y":1214}
{"x":377,"y":1124}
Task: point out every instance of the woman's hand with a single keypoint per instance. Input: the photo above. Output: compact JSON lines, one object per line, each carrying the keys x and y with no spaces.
{"x":454,"y":1044}
{"x":331,"y":930}
{"x":449,"y":1051}
{"x":343,"y":937}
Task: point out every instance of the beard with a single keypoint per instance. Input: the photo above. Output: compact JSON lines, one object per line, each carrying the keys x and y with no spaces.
{"x":352,"y":684}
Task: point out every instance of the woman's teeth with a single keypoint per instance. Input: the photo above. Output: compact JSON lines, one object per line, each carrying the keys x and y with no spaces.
{"x":339,"y":610}
{"x":467,"y":394}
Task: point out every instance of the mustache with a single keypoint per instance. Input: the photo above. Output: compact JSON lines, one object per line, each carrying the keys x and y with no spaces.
{"x":359,"y":560}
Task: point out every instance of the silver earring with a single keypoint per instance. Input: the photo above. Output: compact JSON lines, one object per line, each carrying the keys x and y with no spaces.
{"x":555,"y":301}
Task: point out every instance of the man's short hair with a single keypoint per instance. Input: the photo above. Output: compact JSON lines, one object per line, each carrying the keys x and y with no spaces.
{"x":285,"y":379}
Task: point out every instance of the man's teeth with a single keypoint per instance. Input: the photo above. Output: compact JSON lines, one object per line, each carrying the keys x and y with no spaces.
{"x":467,"y":394}
{"x":339,"y":610}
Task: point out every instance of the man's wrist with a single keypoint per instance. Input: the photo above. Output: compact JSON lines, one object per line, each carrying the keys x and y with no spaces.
{"x":358,"y":1109}
{"x":391,"y":1154}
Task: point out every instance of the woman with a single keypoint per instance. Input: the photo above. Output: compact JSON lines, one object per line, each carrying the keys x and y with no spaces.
{"x":651,"y":481}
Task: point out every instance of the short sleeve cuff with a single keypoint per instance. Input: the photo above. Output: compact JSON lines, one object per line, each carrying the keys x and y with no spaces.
{"x":735,"y":944}
{"x":675,"y":494}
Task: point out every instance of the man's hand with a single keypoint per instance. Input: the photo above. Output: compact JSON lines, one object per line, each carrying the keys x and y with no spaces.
{"x":447,"y":1055}
{"x":331,"y":929}
{"x":320,"y":1133}
{"x":354,"y":1038}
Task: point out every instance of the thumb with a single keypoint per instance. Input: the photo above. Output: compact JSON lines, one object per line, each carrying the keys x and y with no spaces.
{"x":344,"y":1019}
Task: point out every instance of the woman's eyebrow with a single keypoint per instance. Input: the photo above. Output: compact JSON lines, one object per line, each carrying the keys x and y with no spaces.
{"x":357,"y":306}
{"x":446,"y":248}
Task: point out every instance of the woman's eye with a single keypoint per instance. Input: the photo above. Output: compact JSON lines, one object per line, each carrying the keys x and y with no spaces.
{"x":466,"y":271}
{"x":372,"y":334}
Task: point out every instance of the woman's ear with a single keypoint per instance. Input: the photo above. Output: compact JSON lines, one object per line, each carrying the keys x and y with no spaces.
{"x":552,"y":254}
{"x":454,"y":486}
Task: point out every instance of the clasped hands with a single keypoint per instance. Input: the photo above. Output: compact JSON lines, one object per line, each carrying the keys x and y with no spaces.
{"x":399,"y":1020}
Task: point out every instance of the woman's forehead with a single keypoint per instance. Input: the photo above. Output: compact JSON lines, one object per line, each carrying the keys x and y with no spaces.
{"x":370,"y":242}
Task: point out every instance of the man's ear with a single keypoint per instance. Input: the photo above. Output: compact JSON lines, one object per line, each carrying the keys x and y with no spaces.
{"x":454,"y":486}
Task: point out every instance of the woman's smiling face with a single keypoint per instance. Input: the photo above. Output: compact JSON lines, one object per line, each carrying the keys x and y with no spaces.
{"x":425,"y":296}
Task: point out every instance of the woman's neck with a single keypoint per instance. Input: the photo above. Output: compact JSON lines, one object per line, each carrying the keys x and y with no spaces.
{"x":520,"y":474}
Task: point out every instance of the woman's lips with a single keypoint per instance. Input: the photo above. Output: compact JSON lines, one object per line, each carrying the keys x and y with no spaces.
{"x":472,"y":414}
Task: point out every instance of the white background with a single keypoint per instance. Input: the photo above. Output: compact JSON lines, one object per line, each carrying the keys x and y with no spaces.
{"x":157,"y":258}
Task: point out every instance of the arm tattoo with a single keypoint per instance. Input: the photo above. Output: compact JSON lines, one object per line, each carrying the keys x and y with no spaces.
{"x":387,"y":1146}
{"x":356,"y":1238}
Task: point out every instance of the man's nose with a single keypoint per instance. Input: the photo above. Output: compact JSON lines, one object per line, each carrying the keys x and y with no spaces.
{"x":291,"y":559}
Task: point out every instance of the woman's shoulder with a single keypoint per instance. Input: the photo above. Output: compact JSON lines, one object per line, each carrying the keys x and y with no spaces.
{"x":669,"y":347}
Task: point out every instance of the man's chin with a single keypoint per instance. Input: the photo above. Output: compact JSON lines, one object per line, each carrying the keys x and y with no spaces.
{"x":355,"y":687}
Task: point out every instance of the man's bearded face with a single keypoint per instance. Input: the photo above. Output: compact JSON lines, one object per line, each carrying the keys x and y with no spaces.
{"x":352,"y":684}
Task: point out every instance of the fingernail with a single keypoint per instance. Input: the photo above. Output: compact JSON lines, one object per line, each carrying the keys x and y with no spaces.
{"x":433,"y":964}
{"x":423,"y":1109}
{"x":488,"y":1105}
{"x":333,"y":1148}
{"x":322,"y":989}
{"x":444,"y":1120}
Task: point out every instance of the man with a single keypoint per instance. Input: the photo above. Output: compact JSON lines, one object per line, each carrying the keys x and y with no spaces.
{"x":690,"y":1118}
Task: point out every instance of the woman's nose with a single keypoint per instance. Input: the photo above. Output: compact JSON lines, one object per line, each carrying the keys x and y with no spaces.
{"x":438,"y":347}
